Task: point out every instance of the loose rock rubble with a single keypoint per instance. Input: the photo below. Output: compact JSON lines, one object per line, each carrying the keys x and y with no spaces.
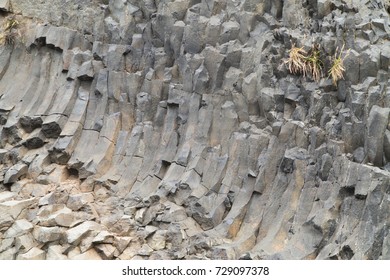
{"x":163,"y":129}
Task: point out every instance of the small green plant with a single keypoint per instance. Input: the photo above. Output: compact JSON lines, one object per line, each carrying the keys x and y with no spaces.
{"x":314,"y":63}
{"x":337,"y":69}
{"x":10,"y":31}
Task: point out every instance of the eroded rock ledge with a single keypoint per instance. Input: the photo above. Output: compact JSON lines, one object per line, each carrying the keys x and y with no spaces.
{"x":172,"y":130}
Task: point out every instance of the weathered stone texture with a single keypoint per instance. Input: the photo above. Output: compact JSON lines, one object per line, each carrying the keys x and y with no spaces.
{"x":173,"y":130}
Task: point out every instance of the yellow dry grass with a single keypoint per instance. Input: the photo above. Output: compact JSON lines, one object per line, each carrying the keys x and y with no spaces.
{"x":337,"y":69}
{"x":10,"y":31}
{"x":296,"y":62}
{"x":300,"y":62}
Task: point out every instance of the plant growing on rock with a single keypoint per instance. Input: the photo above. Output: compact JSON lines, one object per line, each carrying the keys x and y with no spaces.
{"x":296,"y":61}
{"x":10,"y":31}
{"x":314,"y":63}
{"x":309,"y":63}
{"x":305,"y":63}
{"x":337,"y":69}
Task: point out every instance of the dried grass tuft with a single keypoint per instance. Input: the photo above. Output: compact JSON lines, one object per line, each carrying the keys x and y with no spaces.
{"x":337,"y":69}
{"x":10,"y":31}
{"x":296,"y":62}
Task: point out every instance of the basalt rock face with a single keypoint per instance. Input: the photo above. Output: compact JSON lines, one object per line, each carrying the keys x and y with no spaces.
{"x":162,"y":129}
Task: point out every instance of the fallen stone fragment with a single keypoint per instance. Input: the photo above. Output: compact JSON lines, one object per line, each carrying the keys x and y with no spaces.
{"x":6,"y":196}
{"x":19,"y":228}
{"x":158,"y":240}
{"x":33,"y":254}
{"x":6,"y":219}
{"x":25,"y":242}
{"x":55,"y":252}
{"x":121,"y":244}
{"x":9,"y":254}
{"x":72,"y":252}
{"x":104,"y":237}
{"x":87,"y":242}
{"x":89,"y":255}
{"x":48,"y":234}
{"x":6,"y":244}
{"x":76,"y":234}
{"x":77,"y":201}
{"x":15,"y":207}
{"x":107,"y":251}
{"x":173,"y":213}
{"x":57,"y":215}
{"x":145,"y":250}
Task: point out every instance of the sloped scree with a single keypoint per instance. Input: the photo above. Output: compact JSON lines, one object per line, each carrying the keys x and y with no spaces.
{"x":173,"y":130}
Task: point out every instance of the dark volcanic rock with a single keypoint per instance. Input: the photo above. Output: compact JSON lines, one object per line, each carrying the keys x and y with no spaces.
{"x":34,"y":143}
{"x":29,"y":124}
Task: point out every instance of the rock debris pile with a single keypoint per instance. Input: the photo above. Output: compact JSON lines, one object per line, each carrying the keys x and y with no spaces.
{"x":172,"y":129}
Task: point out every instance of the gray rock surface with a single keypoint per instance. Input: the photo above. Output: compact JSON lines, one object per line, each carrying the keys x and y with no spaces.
{"x":174,"y":130}
{"x":5,"y":5}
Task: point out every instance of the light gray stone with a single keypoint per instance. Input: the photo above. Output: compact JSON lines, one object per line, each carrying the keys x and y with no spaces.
{"x":106,"y":251}
{"x":55,"y":252}
{"x":5,"y":5}
{"x":76,"y":234}
{"x":19,"y":228}
{"x":9,"y":254}
{"x":77,"y":201}
{"x":48,"y":234}
{"x":172,"y":129}
{"x":229,"y":31}
{"x":88,"y":255}
{"x":6,"y":196}
{"x":57,"y":215}
{"x":15,"y":172}
{"x":13,"y":208}
{"x":377,"y":124}
{"x":6,"y":219}
{"x":104,"y":237}
{"x":32,"y":254}
{"x":145,"y":250}
{"x":6,"y":244}
{"x":324,"y":8}
{"x":158,"y":240}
